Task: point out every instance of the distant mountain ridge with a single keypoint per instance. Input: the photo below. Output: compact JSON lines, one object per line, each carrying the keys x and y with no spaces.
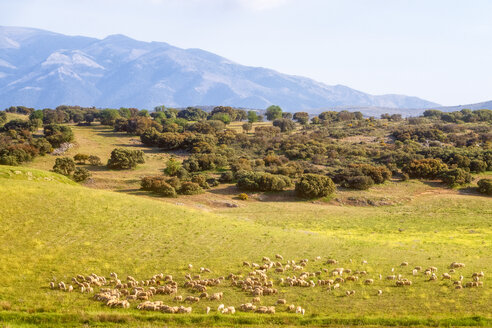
{"x":481,"y":105}
{"x":44,"y":69}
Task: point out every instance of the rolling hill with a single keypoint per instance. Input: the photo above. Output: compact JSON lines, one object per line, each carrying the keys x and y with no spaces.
{"x":76,"y":230}
{"x":44,"y":69}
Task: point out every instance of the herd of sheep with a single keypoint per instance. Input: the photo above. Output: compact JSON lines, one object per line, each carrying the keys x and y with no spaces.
{"x":255,"y":281}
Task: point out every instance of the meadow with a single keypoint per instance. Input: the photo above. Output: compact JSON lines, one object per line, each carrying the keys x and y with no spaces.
{"x":52,"y":229}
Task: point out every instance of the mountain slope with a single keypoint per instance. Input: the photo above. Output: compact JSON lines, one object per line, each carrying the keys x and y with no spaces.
{"x":482,"y":105}
{"x":44,"y":69}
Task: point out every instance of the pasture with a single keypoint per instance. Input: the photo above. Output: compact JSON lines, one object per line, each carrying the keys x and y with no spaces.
{"x":53,"y":230}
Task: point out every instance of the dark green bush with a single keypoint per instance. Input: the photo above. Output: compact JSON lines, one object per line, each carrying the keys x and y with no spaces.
{"x":64,"y":165}
{"x":261,"y":181}
{"x":81,"y":174}
{"x":190,"y":188}
{"x":58,"y":134}
{"x":314,"y":186}
{"x":485,"y":186}
{"x":158,"y":185}
{"x":359,"y":182}
{"x":122,"y":158}
{"x":455,"y":177}
{"x":226,"y":177}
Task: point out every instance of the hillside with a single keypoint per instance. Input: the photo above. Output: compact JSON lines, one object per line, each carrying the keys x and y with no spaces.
{"x":54,"y":239}
{"x":45,"y":69}
{"x":482,"y":105}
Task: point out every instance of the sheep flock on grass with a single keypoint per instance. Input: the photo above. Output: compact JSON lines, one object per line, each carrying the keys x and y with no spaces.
{"x":117,"y":293}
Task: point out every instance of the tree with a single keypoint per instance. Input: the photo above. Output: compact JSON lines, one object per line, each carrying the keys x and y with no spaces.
{"x":287,"y":115}
{"x":284,"y":124}
{"x":81,"y":174}
{"x":122,"y":158}
{"x":314,"y":186}
{"x":301,"y":117}
{"x":273,"y":112}
{"x":252,"y":116}
{"x":172,"y":167}
{"x":192,"y":114}
{"x":64,"y":166}
{"x":109,"y":116}
{"x":247,"y":127}
{"x":94,"y":160}
{"x":81,"y":158}
{"x":224,"y":117}
{"x":58,"y":134}
{"x":3,"y":117}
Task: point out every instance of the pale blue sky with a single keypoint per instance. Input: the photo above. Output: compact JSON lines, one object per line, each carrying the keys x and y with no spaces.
{"x":439,"y":50}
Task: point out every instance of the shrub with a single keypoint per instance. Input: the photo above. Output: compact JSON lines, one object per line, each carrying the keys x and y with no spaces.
{"x":456,"y":177}
{"x":485,"y":186}
{"x":243,"y":196}
{"x":200,"y":180}
{"x":172,"y":167}
{"x":190,"y":188}
{"x":314,"y":186}
{"x":122,"y":158}
{"x":81,"y":158}
{"x":3,"y":117}
{"x":165,"y":189}
{"x":261,"y":181}
{"x":64,"y":166}
{"x":58,"y":134}
{"x":427,"y":168}
{"x":158,"y":185}
{"x":226,"y":177}
{"x":94,"y":160}
{"x":359,"y":182}
{"x":284,"y":124}
{"x":175,"y":182}
{"x":81,"y":174}
{"x":478,"y":166}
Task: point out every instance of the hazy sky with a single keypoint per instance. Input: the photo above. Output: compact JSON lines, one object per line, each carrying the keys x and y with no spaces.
{"x":439,"y":50}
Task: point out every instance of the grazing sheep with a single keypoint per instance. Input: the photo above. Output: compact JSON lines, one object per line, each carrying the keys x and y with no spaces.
{"x":331,"y":261}
{"x":404,"y":264}
{"x":391,"y":277}
{"x":192,"y":299}
{"x":207,"y":310}
{"x":368,"y":281}
{"x":190,"y":266}
{"x":52,"y":285}
{"x":178,"y":298}
{"x":446,"y":276}
{"x":278,"y":256}
{"x":414,"y":272}
{"x":256,"y":300}
{"x":70,"y":289}
{"x":220,"y":308}
{"x":456,"y":265}
{"x":247,"y":307}
{"x":380,"y":292}
{"x":281,"y":301}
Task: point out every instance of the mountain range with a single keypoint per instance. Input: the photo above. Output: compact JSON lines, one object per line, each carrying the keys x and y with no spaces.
{"x":42,"y":69}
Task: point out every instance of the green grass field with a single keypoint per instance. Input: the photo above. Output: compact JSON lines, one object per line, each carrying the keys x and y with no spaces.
{"x":53,"y":229}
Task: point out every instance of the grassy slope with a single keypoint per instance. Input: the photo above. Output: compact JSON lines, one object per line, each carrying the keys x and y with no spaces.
{"x":54,"y":230}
